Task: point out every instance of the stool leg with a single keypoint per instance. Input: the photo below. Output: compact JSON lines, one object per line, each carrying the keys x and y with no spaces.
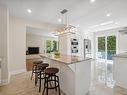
{"x":36,"y":78}
{"x":39,"y":81}
{"x":50,"y":81}
{"x":55,"y":82}
{"x":32,"y":73}
{"x":58,"y":86}
{"x":47,"y":86}
{"x":44,"y":86}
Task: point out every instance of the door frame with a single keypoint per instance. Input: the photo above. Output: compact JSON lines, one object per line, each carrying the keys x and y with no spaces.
{"x":96,"y":44}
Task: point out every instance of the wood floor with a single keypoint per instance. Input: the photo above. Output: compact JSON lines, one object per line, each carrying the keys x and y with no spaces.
{"x":22,"y":85}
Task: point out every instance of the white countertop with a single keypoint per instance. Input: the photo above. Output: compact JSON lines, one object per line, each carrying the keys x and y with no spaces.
{"x":121,"y":55}
{"x":68,"y":59}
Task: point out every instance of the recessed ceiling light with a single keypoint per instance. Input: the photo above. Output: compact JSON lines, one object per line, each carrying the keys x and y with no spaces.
{"x":108,"y":15}
{"x":59,"y":20}
{"x":92,"y":1}
{"x":116,"y":22}
{"x":29,"y":10}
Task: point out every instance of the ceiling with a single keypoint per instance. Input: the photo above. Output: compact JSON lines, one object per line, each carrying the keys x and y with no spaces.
{"x":39,"y":31}
{"x":88,"y":16}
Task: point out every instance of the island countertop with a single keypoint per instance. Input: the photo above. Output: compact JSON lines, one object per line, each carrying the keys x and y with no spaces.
{"x":68,"y":59}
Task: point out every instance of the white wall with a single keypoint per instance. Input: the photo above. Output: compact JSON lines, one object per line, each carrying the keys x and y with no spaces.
{"x":33,"y":40}
{"x":121,"y":40}
{"x":4,"y":54}
{"x":17,"y":45}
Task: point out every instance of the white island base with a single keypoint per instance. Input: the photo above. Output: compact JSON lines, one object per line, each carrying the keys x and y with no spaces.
{"x":74,"y":76}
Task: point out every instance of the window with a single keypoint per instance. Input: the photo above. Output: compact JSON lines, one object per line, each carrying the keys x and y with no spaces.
{"x":51,"y":46}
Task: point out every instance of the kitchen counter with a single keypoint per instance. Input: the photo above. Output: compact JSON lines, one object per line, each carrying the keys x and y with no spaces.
{"x":121,"y":55}
{"x":67,"y":59}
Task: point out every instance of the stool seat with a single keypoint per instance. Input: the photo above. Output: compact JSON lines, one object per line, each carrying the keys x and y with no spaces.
{"x":42,"y":66}
{"x":51,"y":71}
{"x":51,"y":77}
{"x":40,"y":73}
{"x":34,"y":68}
{"x":37,"y":62}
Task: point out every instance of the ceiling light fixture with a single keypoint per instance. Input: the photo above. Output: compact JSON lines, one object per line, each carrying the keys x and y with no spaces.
{"x":29,"y":10}
{"x":92,"y":1}
{"x":108,"y":15}
{"x":65,"y":28}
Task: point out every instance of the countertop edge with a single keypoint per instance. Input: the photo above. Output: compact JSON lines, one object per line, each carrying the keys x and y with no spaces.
{"x":86,"y":59}
{"x":121,"y":55}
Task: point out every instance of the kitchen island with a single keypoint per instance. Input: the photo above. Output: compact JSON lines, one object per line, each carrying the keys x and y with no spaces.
{"x":74,"y":73}
{"x":120,"y":70}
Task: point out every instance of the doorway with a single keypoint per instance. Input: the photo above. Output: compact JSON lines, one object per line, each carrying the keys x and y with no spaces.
{"x":105,"y":49}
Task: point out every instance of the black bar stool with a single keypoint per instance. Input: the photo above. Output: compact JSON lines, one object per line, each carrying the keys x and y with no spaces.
{"x":41,"y":73}
{"x":51,"y":77}
{"x":34,"y":68}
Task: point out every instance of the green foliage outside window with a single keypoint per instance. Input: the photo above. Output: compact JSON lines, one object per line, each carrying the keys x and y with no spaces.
{"x":51,"y":46}
{"x":111,"y":44}
{"x":101,"y":44}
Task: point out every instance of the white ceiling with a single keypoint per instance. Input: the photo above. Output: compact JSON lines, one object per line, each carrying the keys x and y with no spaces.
{"x":81,"y":12}
{"x":39,"y":31}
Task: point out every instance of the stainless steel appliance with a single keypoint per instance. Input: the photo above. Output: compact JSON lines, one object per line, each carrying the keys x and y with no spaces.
{"x":87,"y":47}
{"x":74,"y":46}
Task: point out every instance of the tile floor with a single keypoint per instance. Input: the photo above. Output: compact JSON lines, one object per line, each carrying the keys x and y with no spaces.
{"x":22,"y":85}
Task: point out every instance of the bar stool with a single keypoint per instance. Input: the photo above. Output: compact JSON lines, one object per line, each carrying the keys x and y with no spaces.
{"x":51,"y":77}
{"x":34,"y":67}
{"x":41,"y":74}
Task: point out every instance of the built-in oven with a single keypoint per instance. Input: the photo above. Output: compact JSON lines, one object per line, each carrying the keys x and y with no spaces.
{"x":74,"y":45}
{"x":74,"y":42}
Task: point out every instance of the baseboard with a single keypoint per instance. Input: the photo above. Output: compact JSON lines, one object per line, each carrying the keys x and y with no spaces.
{"x":3,"y":82}
{"x":17,"y":72}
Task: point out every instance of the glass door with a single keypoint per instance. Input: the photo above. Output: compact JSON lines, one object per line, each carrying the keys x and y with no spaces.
{"x":111,"y":46}
{"x":106,"y":48}
{"x":101,"y":53}
{"x":111,"y":50}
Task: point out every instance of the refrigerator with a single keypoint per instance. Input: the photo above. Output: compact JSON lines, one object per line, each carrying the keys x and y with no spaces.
{"x":87,"y":48}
